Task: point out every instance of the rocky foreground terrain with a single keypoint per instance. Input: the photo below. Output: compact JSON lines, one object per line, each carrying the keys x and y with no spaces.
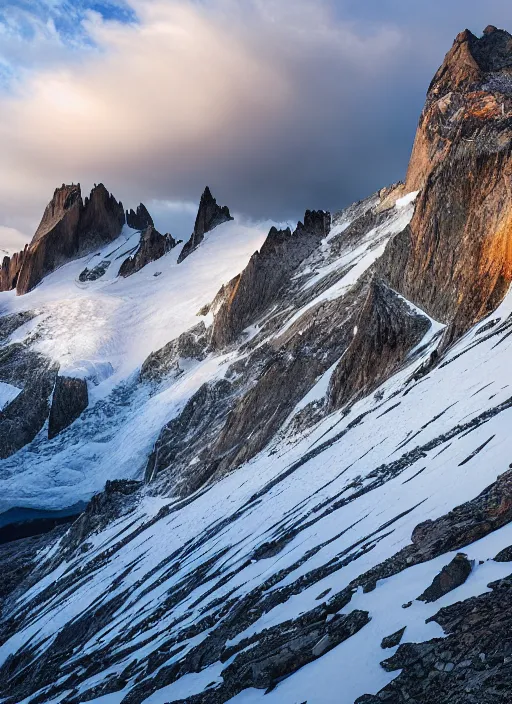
{"x":293,"y":446}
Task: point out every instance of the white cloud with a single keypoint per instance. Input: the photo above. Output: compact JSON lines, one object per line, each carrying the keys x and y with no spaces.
{"x":11,"y":240}
{"x":237,"y":95}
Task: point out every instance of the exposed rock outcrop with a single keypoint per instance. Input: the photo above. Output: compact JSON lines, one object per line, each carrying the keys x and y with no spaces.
{"x":23,"y":418}
{"x":118,"y":498}
{"x":70,"y":399}
{"x":264,"y":390}
{"x":288,"y":647}
{"x":95,"y":273}
{"x":189,"y":345}
{"x":268,"y":271}
{"x":471,"y":665}
{"x":451,"y":576}
{"x":209,"y":216}
{"x":193,"y":428}
{"x":385,"y":331}
{"x":10,"y":323}
{"x":455,"y":260}
{"x":489,"y":511}
{"x":140,"y":218}
{"x":152,"y":246}
{"x":393,"y":640}
{"x":69,"y":228}
{"x":18,"y":558}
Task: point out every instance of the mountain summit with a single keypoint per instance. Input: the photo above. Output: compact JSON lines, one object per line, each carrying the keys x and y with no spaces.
{"x":454,"y":260}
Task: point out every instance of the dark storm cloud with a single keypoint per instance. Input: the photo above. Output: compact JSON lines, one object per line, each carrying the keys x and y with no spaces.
{"x":278,"y":105}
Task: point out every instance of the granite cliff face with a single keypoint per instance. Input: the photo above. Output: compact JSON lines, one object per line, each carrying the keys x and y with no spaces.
{"x":70,"y":227}
{"x":385,"y":331}
{"x":209,"y":216}
{"x":268,"y":272}
{"x":455,"y":258}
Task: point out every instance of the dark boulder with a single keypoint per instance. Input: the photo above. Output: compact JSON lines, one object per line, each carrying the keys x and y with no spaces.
{"x":393,"y":640}
{"x":504,"y":555}
{"x":451,"y":576}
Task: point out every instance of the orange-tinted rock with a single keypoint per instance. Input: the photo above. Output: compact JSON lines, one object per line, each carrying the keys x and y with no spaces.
{"x":455,"y":258}
{"x":474,"y":70}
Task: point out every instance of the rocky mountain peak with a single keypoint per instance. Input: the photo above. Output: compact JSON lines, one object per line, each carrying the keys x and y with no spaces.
{"x":140,"y":218}
{"x":65,"y":198}
{"x":152,"y":246}
{"x":209,"y":216}
{"x":69,"y":228}
{"x":458,"y":268}
{"x":470,"y":59}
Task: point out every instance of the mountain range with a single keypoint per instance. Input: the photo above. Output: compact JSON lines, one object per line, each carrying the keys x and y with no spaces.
{"x":269,"y":464}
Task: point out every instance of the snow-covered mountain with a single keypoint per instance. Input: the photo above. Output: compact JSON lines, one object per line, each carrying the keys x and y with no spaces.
{"x":294,"y":445}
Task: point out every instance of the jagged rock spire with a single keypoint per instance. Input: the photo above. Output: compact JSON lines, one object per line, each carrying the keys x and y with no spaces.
{"x":247,"y":296}
{"x":70,"y":227}
{"x":139,"y":219}
{"x":209,"y":216}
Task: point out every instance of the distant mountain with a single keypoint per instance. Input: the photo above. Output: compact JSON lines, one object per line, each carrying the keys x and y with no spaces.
{"x":293,"y":443}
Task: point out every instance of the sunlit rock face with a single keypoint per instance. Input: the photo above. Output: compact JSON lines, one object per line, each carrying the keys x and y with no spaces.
{"x":455,"y":259}
{"x":70,"y":227}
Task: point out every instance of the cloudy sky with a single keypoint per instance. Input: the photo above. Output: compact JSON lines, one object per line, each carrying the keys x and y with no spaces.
{"x":278,"y":105}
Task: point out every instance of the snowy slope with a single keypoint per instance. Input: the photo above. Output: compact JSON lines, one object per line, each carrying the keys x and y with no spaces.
{"x":437,"y":410}
{"x":203,"y":579}
{"x":103,"y":330}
